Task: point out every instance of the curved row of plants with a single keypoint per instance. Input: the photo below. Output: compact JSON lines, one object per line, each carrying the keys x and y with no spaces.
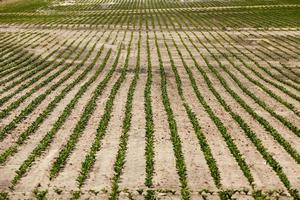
{"x":246,"y":128}
{"x":80,"y":126}
{"x":34,"y":103}
{"x":219,"y":124}
{"x":90,"y":157}
{"x":20,"y":54}
{"x":52,"y":105}
{"x":149,"y":126}
{"x":175,"y":139}
{"x":40,"y":65}
{"x":121,"y":154}
{"x":282,"y":119}
{"x":255,"y":98}
{"x":48,"y":138}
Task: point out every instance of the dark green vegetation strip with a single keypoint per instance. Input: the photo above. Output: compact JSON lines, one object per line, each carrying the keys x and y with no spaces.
{"x":176,"y":141}
{"x":211,"y":162}
{"x":47,"y":139}
{"x":41,"y":118}
{"x":149,"y":126}
{"x":121,"y":155}
{"x":250,"y":133}
{"x":81,"y":125}
{"x":90,"y":158}
{"x":172,"y":17}
{"x":219,"y":124}
{"x":29,"y":109}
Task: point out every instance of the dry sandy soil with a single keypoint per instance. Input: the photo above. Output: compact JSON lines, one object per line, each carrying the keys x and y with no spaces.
{"x":219,"y":108}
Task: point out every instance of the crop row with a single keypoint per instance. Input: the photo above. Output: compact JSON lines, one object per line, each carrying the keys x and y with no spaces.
{"x":34,"y":103}
{"x":264,"y":105}
{"x":176,"y":141}
{"x":275,"y":165}
{"x":250,"y":133}
{"x":21,"y":56}
{"x":217,"y":121}
{"x":11,"y":50}
{"x":121,"y":154}
{"x":211,"y":162}
{"x":43,"y":64}
{"x":50,"y":107}
{"x":149,"y":126}
{"x":47,"y":139}
{"x":81,"y":124}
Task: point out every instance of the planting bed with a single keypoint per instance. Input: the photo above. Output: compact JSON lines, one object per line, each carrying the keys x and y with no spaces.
{"x":149,"y":99}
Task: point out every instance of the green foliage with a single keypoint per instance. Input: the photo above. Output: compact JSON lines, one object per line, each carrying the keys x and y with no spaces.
{"x":173,"y":17}
{"x":40,"y":194}
{"x":176,"y":141}
{"x":149,"y":128}
{"x":4,"y":196}
{"x":258,"y":195}
{"x":24,"y":5}
{"x":194,"y":121}
{"x":121,"y":155}
{"x":75,"y":195}
{"x":90,"y":158}
{"x":34,"y":103}
{"x":80,"y":126}
{"x":45,"y":142}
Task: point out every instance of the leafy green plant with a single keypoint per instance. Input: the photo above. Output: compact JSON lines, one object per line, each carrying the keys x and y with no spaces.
{"x":80,"y":126}
{"x":180,"y":164}
{"x":90,"y":158}
{"x":121,"y":155}
{"x":44,"y":143}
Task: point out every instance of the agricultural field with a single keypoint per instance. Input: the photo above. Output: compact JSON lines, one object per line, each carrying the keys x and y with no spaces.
{"x":150,"y":99}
